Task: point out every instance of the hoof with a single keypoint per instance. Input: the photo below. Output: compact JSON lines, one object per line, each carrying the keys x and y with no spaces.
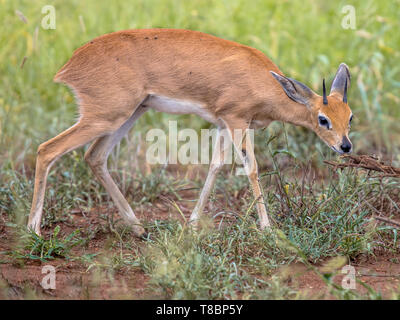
{"x":145,"y":236}
{"x":194,"y":224}
{"x":33,"y":229}
{"x":139,"y":231}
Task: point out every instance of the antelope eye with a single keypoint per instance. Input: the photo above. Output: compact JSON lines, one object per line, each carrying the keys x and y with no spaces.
{"x":351,"y":118}
{"x":323,"y":122}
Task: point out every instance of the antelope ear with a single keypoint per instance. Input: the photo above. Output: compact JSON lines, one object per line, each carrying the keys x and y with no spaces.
{"x":339,"y":82}
{"x":294,"y":89}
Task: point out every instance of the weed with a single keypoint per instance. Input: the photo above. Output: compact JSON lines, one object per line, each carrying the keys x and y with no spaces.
{"x":47,"y":249}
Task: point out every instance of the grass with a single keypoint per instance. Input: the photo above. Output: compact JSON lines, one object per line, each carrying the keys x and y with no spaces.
{"x":230,"y":258}
{"x":318,"y":214}
{"x":47,"y":249}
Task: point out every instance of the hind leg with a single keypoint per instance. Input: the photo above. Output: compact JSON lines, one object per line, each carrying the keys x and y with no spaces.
{"x":97,"y":156}
{"x":76,"y":136}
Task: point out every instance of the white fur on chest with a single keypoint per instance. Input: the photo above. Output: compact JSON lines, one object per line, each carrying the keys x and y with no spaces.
{"x":176,"y":106}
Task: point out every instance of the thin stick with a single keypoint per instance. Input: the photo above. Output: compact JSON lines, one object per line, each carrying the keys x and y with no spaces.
{"x":387,"y":220}
{"x":23,"y":62}
{"x":368,"y":163}
{"x":379,"y":275}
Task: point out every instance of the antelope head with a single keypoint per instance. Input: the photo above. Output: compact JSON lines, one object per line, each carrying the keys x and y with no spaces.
{"x":330,"y":116}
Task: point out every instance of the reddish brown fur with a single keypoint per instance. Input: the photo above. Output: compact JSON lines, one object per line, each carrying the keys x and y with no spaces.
{"x":227,"y":77}
{"x":183,"y":64}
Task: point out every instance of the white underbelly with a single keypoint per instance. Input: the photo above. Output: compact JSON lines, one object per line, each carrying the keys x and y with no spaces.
{"x":177,"y":106}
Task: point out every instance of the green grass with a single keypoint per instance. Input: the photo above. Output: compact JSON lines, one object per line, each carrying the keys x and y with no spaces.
{"x":36,"y":247}
{"x":319,"y":214}
{"x":305,"y":39}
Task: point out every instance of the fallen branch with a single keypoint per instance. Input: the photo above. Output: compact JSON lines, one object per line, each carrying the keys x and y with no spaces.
{"x":379,"y":275}
{"x":366,"y":162}
{"x":387,"y":220}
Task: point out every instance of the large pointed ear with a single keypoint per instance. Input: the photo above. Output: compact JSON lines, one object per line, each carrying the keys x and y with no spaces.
{"x":342,"y":78}
{"x":294,"y":89}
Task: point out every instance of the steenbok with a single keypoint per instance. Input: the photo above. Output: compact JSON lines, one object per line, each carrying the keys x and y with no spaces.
{"x":119,"y":76}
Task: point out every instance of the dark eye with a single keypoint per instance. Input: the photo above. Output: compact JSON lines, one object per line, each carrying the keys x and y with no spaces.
{"x":323,"y":122}
{"x":351,"y":119}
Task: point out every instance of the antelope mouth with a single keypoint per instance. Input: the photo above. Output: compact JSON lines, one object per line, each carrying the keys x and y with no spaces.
{"x":336,"y":150}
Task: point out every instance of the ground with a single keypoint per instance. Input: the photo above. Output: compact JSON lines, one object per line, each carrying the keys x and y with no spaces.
{"x":77,"y":280}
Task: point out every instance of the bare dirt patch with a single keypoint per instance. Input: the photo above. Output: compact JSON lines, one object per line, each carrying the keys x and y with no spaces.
{"x":379,"y":273}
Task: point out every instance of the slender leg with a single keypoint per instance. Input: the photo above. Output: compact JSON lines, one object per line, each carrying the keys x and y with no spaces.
{"x":48,"y":152}
{"x":250,"y":165}
{"x":97,"y":156}
{"x":245,"y":150}
{"x":215,"y":166}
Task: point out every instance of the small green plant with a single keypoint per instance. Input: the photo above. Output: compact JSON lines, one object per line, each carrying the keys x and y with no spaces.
{"x":42,"y":249}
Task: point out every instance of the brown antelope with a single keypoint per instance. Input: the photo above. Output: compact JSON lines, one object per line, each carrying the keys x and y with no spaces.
{"x":117,"y":77}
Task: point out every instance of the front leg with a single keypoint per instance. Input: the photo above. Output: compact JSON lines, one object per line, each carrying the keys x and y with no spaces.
{"x":250,"y":166}
{"x":215,"y":166}
{"x":245,"y":150}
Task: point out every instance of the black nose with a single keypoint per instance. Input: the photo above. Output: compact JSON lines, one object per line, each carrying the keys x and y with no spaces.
{"x":346,"y":145}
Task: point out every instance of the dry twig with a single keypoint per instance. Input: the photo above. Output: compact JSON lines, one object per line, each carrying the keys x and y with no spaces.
{"x":387,"y":220}
{"x":366,"y":162}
